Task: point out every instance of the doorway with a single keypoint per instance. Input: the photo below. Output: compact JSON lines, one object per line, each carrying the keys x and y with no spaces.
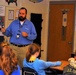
{"x":60,"y":40}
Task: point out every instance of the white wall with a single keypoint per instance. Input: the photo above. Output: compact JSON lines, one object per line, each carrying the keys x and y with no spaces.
{"x":74,"y":47}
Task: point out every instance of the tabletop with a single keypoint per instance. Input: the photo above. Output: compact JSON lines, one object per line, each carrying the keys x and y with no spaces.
{"x":61,"y":67}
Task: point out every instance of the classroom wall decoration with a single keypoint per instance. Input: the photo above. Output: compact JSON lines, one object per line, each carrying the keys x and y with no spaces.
{"x":64,"y":23}
{"x":36,"y":1}
{"x":2,"y":22}
{"x":11,"y":1}
{"x":11,"y":15}
{"x":2,"y":16}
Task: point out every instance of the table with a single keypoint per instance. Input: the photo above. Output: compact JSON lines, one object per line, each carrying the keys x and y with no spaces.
{"x":61,"y":67}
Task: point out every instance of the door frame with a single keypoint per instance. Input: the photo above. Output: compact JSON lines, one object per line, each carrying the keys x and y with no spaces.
{"x":61,"y":2}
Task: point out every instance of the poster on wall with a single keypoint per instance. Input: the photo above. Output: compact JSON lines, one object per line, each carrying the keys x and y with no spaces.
{"x":11,"y":14}
{"x":2,"y":10}
{"x":2,"y":18}
{"x":17,"y":12}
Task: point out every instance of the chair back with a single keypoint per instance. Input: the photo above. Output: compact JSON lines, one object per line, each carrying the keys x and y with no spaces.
{"x":50,"y":71}
{"x":28,"y":71}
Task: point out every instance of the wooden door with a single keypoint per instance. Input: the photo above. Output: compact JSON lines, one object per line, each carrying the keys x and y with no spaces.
{"x":60,"y":40}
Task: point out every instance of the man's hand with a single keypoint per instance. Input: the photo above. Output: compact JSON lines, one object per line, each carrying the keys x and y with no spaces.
{"x":3,"y":30}
{"x":24,"y":34}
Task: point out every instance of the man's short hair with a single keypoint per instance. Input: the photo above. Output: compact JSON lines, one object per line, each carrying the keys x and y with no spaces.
{"x":24,"y":8}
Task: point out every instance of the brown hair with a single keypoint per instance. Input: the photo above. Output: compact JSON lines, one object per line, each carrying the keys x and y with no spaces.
{"x":8,"y":60}
{"x":33,"y":48}
{"x":23,"y":8}
{"x":4,"y":44}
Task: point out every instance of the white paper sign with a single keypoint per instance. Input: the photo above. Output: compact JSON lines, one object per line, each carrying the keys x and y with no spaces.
{"x":2,"y":10}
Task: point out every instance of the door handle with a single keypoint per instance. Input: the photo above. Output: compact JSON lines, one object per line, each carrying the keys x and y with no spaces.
{"x":69,"y":42}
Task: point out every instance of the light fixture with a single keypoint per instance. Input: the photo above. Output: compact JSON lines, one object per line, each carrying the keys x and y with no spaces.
{"x":36,"y":1}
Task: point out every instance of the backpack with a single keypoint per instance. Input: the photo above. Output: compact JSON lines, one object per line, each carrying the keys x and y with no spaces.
{"x":69,"y":70}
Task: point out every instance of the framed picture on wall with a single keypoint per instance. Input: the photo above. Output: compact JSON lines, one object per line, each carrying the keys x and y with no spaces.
{"x":17,"y":12}
{"x":11,"y":15}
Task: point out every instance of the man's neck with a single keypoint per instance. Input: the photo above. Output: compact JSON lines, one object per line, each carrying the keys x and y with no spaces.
{"x":21,"y":22}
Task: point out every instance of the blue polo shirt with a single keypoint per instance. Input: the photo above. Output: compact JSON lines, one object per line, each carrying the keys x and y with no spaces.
{"x":15,"y":28}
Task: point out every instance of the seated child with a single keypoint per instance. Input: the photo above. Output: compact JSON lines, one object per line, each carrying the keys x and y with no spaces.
{"x":71,"y":68}
{"x":8,"y":62}
{"x":33,"y":62}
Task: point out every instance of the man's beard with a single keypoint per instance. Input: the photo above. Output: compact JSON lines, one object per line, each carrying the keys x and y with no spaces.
{"x":21,"y":18}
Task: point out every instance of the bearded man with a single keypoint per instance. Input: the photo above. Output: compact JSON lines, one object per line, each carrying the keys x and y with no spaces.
{"x":22,"y":33}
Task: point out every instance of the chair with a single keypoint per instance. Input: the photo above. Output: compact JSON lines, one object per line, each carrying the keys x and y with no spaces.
{"x":28,"y":71}
{"x":50,"y":71}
